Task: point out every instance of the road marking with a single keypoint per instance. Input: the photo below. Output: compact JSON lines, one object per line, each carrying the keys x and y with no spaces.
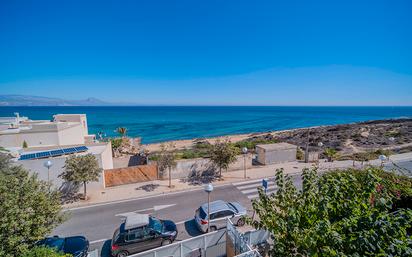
{"x":140,"y":198}
{"x":247,"y":182}
{"x":98,"y":241}
{"x":271,"y":183}
{"x":154,"y":208}
{"x":271,"y":188}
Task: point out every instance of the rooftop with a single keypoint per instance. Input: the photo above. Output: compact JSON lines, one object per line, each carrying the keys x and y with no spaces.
{"x":276,"y":146}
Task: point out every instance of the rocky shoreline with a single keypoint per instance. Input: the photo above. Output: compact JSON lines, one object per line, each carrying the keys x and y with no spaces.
{"x":345,"y":138}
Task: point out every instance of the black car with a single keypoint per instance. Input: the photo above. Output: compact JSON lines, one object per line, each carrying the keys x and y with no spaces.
{"x":74,"y":245}
{"x":141,"y":232}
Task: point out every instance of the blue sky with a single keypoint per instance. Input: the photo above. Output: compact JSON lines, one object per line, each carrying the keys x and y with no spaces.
{"x":209,"y":52}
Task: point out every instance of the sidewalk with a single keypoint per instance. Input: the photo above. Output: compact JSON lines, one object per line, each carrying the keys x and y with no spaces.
{"x":159,"y":187}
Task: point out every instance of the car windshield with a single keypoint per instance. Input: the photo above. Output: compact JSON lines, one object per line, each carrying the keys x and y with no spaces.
{"x":57,"y":243}
{"x":155,"y":224}
{"x":232,"y":207}
{"x":202,"y":213}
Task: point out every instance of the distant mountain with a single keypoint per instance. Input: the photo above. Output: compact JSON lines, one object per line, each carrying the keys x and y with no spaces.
{"x":27,"y":100}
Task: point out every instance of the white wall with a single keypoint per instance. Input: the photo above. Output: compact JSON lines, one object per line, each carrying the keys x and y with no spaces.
{"x":185,"y":168}
{"x":105,"y":162}
{"x":33,"y":139}
{"x":71,"y":136}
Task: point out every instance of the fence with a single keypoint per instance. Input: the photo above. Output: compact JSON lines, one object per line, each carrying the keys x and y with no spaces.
{"x":134,"y":174}
{"x":208,"y":245}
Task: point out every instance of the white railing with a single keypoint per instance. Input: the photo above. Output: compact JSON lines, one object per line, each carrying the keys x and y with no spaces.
{"x":210,"y":245}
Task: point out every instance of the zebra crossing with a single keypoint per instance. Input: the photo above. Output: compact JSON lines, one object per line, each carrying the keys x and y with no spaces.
{"x":250,"y":188}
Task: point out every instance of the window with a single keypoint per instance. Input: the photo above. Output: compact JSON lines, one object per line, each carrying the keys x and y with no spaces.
{"x":221,"y":214}
{"x":135,"y":234}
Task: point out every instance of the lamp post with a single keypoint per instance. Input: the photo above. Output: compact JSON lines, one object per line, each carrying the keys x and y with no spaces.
{"x":320,"y":145}
{"x":48,"y":165}
{"x":382,"y":158}
{"x":208,"y":190}
{"x":307,"y":147}
{"x":244,"y":151}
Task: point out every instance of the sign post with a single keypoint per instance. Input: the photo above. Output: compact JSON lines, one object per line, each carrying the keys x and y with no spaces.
{"x":265,"y":184}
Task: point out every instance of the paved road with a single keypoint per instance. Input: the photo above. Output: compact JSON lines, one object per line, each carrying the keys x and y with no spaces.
{"x":402,"y":167}
{"x":98,"y":223}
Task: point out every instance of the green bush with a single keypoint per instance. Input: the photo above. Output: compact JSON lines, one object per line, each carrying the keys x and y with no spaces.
{"x":116,"y":142}
{"x":341,"y":213}
{"x":44,"y":252}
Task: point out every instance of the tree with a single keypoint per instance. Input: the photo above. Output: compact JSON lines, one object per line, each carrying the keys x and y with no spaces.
{"x":81,"y":169}
{"x":25,"y":145}
{"x":166,"y":159}
{"x":222,"y":153}
{"x":44,"y":252}
{"x":331,"y":154}
{"x":337,"y":214}
{"x":29,"y":209}
{"x":122,"y":131}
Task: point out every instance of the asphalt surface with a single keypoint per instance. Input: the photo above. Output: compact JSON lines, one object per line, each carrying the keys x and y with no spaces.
{"x":97,"y":223}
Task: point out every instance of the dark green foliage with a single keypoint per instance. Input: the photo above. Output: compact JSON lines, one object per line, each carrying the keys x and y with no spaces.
{"x":29,"y":209}
{"x":25,"y":145}
{"x":251,"y":143}
{"x":342,"y":213}
{"x":116,"y":142}
{"x":222,"y":153}
{"x":44,"y":252}
{"x":300,"y":155}
{"x":81,"y":169}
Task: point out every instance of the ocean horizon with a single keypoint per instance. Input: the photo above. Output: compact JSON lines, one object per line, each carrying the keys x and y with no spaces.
{"x":163,"y":123}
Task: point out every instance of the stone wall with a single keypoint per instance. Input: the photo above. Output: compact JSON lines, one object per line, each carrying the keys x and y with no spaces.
{"x":187,"y":168}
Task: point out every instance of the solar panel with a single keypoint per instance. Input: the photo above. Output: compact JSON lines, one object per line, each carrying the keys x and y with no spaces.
{"x":27,"y":156}
{"x":56,"y":152}
{"x":53,"y":153}
{"x":69,"y":150}
{"x":42,"y":154}
{"x":81,"y":148}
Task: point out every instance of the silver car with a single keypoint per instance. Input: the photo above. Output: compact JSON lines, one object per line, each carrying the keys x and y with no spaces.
{"x":219,"y":212}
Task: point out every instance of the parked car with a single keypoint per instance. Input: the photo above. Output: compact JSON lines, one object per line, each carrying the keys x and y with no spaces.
{"x":77,"y":246}
{"x":141,"y":232}
{"x":219,"y":212}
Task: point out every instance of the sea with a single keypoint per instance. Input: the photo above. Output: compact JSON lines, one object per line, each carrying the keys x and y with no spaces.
{"x":163,"y":123}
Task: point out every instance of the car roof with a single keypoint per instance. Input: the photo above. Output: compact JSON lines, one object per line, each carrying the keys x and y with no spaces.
{"x":136,"y":220}
{"x":215,"y":206}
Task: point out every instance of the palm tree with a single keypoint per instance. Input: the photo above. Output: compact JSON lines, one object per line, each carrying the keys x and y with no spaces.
{"x":331,"y":154}
{"x":122,"y":131}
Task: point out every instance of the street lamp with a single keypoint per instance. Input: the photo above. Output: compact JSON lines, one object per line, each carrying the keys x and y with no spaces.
{"x":382,"y":158}
{"x":48,"y":165}
{"x":208,"y":190}
{"x":320,"y":145}
{"x":244,"y":151}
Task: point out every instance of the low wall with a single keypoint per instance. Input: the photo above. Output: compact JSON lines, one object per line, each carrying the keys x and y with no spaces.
{"x":129,"y":175}
{"x":188,"y":168}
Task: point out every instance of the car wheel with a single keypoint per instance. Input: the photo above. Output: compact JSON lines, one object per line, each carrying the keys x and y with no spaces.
{"x":240,"y":222}
{"x":122,"y":254}
{"x":166,"y":242}
{"x":213,"y":229}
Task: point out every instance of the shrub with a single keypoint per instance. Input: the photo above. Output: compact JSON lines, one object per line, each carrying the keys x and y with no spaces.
{"x":44,"y":252}
{"x":342,"y":213}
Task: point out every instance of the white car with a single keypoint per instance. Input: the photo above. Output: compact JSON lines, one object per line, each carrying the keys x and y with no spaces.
{"x":219,"y":212}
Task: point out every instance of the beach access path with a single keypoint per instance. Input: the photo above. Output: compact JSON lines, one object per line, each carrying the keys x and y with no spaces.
{"x":160,"y":187}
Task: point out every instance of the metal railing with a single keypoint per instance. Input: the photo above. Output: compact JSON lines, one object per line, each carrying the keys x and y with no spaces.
{"x":210,"y":245}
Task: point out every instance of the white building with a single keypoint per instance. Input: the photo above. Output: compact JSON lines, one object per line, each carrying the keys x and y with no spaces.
{"x":52,"y":141}
{"x":64,"y":129}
